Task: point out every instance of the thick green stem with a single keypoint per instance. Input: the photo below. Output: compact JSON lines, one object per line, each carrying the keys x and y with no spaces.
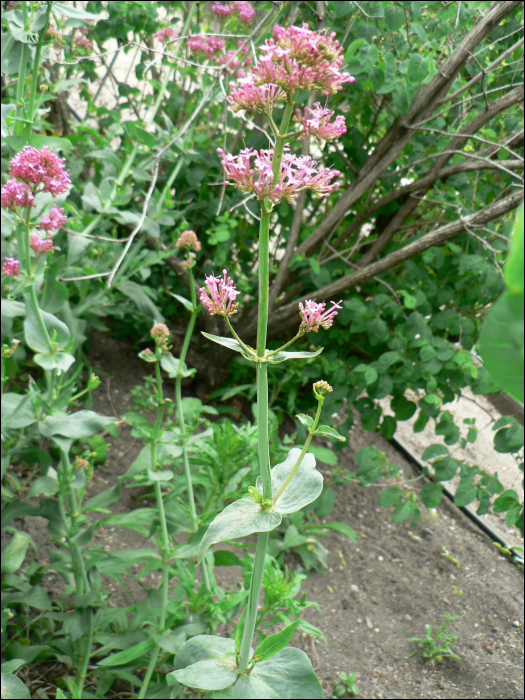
{"x":82,"y":674}
{"x":22,"y":68}
{"x":262,"y":394}
{"x":253,"y":600}
{"x":34,"y":80}
{"x":149,"y":672}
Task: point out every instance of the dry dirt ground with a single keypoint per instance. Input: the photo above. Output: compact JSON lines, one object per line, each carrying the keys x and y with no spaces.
{"x":391,"y":586}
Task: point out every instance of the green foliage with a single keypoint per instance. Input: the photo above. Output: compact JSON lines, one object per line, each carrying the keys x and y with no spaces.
{"x":347,"y":685}
{"x":435,"y":649}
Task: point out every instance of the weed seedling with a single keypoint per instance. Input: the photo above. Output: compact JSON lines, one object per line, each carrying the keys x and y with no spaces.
{"x":346,"y":686}
{"x":435,"y":649}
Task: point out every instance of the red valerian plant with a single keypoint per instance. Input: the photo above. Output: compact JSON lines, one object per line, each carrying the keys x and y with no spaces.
{"x":295,"y":59}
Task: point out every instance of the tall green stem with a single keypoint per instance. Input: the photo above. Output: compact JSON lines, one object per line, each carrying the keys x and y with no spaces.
{"x":180,"y":416}
{"x":22,"y":68}
{"x":34,"y":79}
{"x":262,"y":393}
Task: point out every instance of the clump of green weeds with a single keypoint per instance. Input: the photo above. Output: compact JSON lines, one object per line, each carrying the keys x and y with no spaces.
{"x":435,"y":649}
{"x":346,"y":686}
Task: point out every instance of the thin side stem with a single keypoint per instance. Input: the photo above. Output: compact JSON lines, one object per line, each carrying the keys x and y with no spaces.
{"x":253,"y":600}
{"x":34,"y":80}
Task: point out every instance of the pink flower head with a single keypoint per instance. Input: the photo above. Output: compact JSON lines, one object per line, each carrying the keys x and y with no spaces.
{"x":189,"y":240}
{"x":17,"y":194}
{"x":11,"y":267}
{"x":196,"y":43}
{"x":54,"y":220}
{"x":222,"y":11}
{"x":166,"y":34}
{"x":83,"y":42}
{"x":39,"y":245}
{"x":300,"y":59}
{"x":245,"y":95}
{"x":314,"y":315}
{"x":224,"y":58}
{"x":222,"y":294}
{"x":40,"y":168}
{"x":245,"y":10}
{"x":318,"y":124}
{"x":213,"y":45}
{"x":297,"y":173}
{"x":55,"y":38}
{"x":83,"y":30}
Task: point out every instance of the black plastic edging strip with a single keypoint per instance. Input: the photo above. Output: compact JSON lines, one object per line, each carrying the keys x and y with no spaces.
{"x":414,"y":459}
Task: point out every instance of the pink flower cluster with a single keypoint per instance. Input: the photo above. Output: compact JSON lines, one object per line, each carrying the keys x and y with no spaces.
{"x":297,"y":173}
{"x":318,"y":123}
{"x":314,"y":315}
{"x":83,"y":42}
{"x":11,"y":267}
{"x":300,"y":59}
{"x":210,"y":45}
{"x":17,"y":194}
{"x":245,"y":95}
{"x":54,"y":220}
{"x":39,"y":245}
{"x":166,"y":34}
{"x":245,"y":10}
{"x":55,"y":38}
{"x":222,"y":293}
{"x":38,"y":168}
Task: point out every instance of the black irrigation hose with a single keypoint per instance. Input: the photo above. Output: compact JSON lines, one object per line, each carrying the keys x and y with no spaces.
{"x":414,"y":459}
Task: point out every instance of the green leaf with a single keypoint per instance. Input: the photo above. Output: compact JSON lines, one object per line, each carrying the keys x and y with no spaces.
{"x":174,"y":367}
{"x":431,"y":495}
{"x":58,"y":331}
{"x":465,"y":493}
{"x":368,"y":55}
{"x":17,"y":411}
{"x":403,"y":408}
{"x":508,"y":440}
{"x":402,"y":511}
{"x":515,"y":262}
{"x":13,"y":687}
{"x":389,"y":497}
{"x":73,"y":12}
{"x":445,"y":469}
{"x":323,"y":454}
{"x":403,"y":97}
{"x":128,"y":655}
{"x":388,"y":427}
{"x":299,"y":355}
{"x":324,"y":503}
{"x":327,"y":431}
{"x":230,"y":343}
{"x":239,"y":519}
{"x":14,"y":554}
{"x":418,"y":69}
{"x":433,"y":451}
{"x":81,"y":424}
{"x":138,"y":296}
{"x":185,"y":302}
{"x":419,"y":32}
{"x":225,"y":558}
{"x":288,"y":674}
{"x":394,"y":17}
{"x":139,"y":135}
{"x":377,"y":332}
{"x":100,"y":502}
{"x":305,"y":420}
{"x":203,"y":649}
{"x":341,"y":528}
{"x":11,"y":308}
{"x":44,"y":485}
{"x":507,"y":500}
{"x":305,"y":486}
{"x":161,"y":475}
{"x":60,"y":361}
{"x":275,"y":642}
{"x":354,"y":46}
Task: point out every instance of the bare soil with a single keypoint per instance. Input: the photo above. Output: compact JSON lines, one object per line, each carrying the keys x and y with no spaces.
{"x":391,"y":586}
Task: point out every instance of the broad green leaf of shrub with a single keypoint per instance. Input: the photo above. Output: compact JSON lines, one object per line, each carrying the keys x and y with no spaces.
{"x":501,"y":340}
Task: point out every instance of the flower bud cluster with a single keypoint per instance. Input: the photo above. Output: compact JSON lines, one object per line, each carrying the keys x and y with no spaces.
{"x":188,"y":242}
{"x":161,"y":334}
{"x":39,"y":245}
{"x":244,"y":9}
{"x":166,"y":34}
{"x":321,"y":388}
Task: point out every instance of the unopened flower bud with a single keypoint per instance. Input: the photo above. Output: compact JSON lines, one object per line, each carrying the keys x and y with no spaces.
{"x":147,"y":355}
{"x":321,"y":388}
{"x":81,"y":464}
{"x":188,"y":240}
{"x":9,"y":351}
{"x":160,"y":334}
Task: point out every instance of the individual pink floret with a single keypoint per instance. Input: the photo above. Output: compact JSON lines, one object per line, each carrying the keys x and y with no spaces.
{"x":39,"y":245}
{"x":166,"y":34}
{"x":245,"y":95}
{"x":317,"y":123}
{"x":11,"y":267}
{"x":40,"y":168}
{"x":189,"y":240}
{"x":245,"y":10}
{"x":17,"y":194}
{"x":54,"y":220}
{"x":297,"y":173}
{"x":222,"y":10}
{"x":314,"y":315}
{"x":222,"y":293}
